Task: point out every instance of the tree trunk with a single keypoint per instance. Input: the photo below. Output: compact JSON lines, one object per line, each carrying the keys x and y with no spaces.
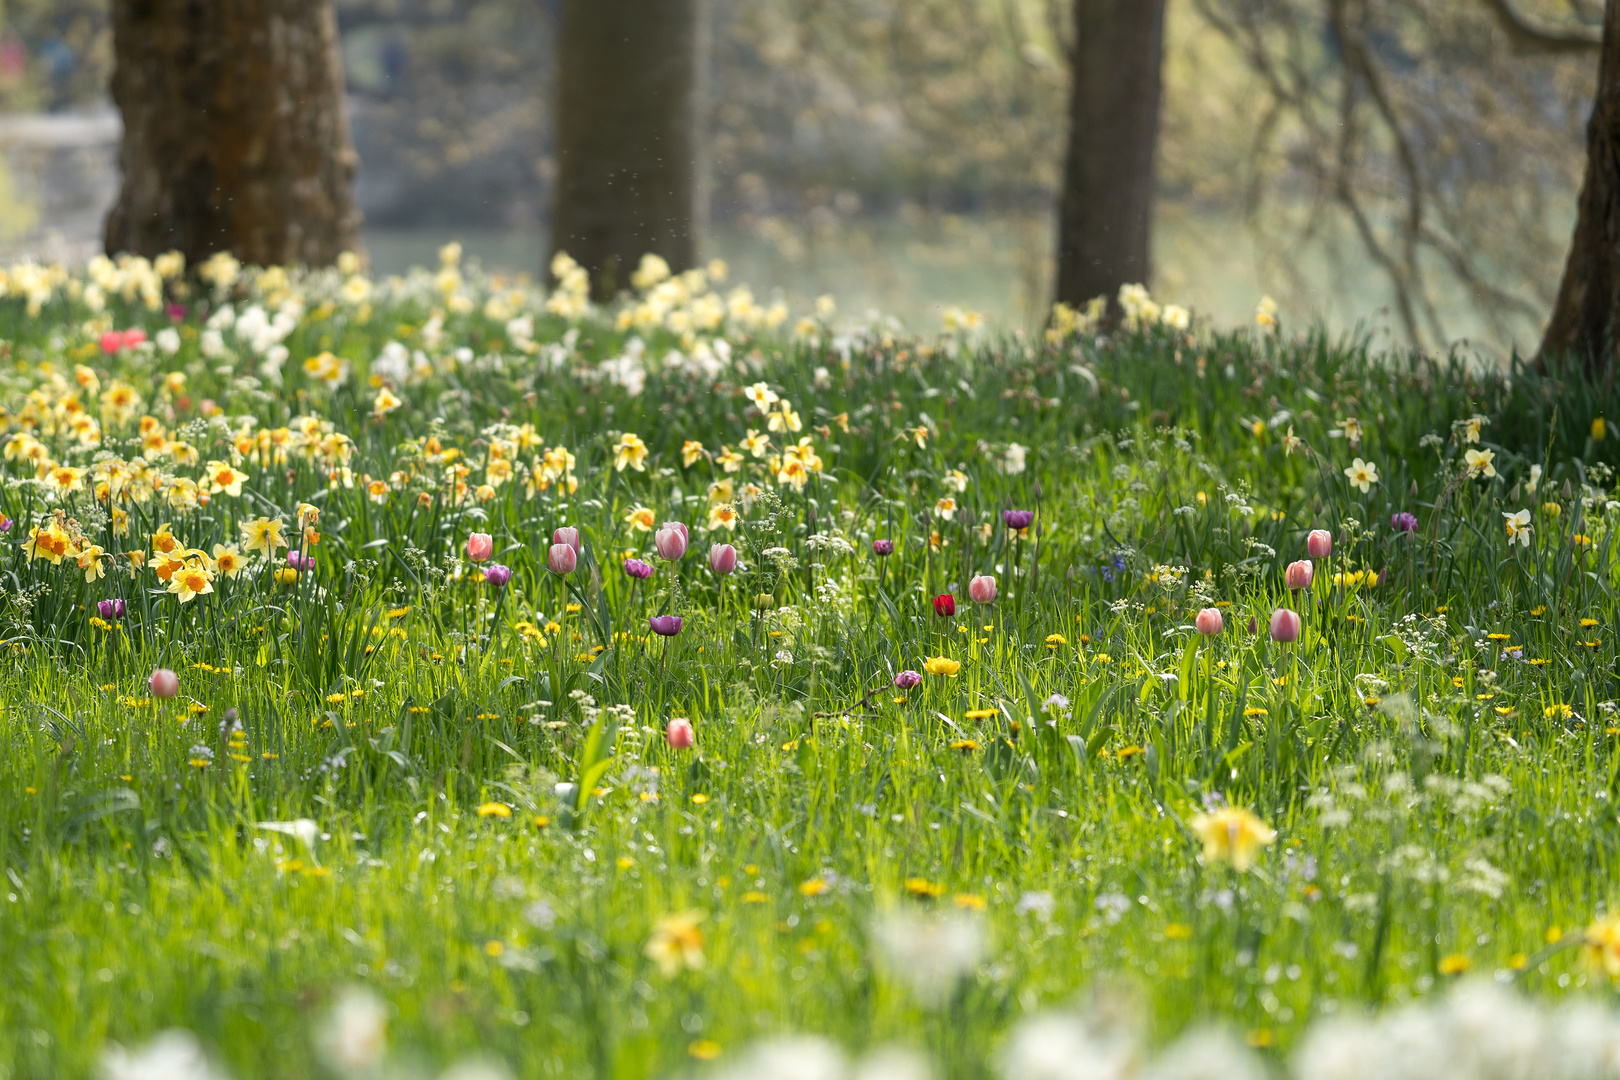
{"x":1106,"y":210}
{"x":1583,"y":323}
{"x":626,"y":136}
{"x":234,"y":133}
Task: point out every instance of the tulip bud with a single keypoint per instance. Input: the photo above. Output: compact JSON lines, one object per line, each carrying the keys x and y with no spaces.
{"x":164,"y":683}
{"x":679,"y":733}
{"x":982,"y":589}
{"x":568,"y":535}
{"x":908,"y":679}
{"x":945,"y":605}
{"x":1284,"y":625}
{"x":665,"y":625}
{"x":637,"y":569}
{"x":1018,"y":519}
{"x":497,"y":575}
{"x":883,"y":548}
{"x":480,"y":546}
{"x":1209,"y":622}
{"x":1298,"y":575}
{"x":722,"y":558}
{"x":1319,"y":543}
{"x":671,"y":541}
{"x":561,"y":560}
{"x":110,"y":609}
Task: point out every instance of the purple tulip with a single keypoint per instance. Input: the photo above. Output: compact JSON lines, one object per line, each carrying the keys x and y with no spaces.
{"x":907,"y":679}
{"x":665,"y":625}
{"x":883,"y":548}
{"x":637,"y":569}
{"x":1018,"y":519}
{"x":110,"y":609}
{"x":497,"y":575}
{"x":300,"y":562}
{"x":1403,"y":522}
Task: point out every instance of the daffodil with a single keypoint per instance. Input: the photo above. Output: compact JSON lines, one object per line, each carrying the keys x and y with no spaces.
{"x":1232,"y":835}
{"x":1480,"y":463}
{"x":630,"y":452}
{"x":1362,"y":474}
{"x":263,"y":534}
{"x":1518,"y":528}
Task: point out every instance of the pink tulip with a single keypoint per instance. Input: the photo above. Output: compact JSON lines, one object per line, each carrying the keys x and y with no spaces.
{"x":1319,"y":543}
{"x":570,"y":536}
{"x":1298,"y":575}
{"x":1284,"y":625}
{"x":722,"y":558}
{"x":679,"y":733}
{"x":1209,"y":622}
{"x":561,"y":560}
{"x":133,"y":338}
{"x":164,"y":683}
{"x":982,"y":589}
{"x":671,"y":541}
{"x":480,"y":546}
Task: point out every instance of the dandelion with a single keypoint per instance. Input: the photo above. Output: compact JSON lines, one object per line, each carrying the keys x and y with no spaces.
{"x":930,"y":952}
{"x":1232,"y":835}
{"x":354,"y":1037}
{"x":677,"y":943}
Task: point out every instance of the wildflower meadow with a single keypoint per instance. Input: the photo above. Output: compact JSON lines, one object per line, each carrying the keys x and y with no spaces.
{"x":449,"y":676}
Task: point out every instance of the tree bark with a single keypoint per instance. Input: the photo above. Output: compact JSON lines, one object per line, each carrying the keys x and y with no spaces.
{"x":1106,"y":209}
{"x":626,"y":136}
{"x":234,"y":133}
{"x":1584,"y":318}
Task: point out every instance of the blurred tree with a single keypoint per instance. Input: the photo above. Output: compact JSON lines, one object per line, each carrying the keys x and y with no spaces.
{"x":627,"y":137}
{"x":1105,"y":210}
{"x":1586,"y":316}
{"x":234,"y":133}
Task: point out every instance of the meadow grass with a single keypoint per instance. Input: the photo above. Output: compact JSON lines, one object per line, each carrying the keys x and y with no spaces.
{"x":389,"y":783}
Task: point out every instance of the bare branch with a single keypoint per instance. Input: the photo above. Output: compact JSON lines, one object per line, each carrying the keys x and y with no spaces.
{"x":1528,"y":36}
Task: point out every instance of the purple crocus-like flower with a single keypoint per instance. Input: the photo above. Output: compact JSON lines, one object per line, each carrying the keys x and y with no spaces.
{"x":1403,"y":522}
{"x":497,"y":575}
{"x":907,"y":680}
{"x":637,"y":569}
{"x":300,"y":562}
{"x":665,"y":625}
{"x":1018,"y":519}
{"x":883,"y":548}
{"x":110,"y":609}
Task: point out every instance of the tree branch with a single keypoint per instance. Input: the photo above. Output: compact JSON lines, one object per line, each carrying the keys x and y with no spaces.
{"x":1528,"y":36}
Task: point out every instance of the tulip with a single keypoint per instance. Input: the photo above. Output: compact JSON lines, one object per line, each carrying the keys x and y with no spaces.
{"x":1284,"y":625}
{"x":1298,"y":575}
{"x":286,"y":576}
{"x":1318,"y":543}
{"x":722,"y":558}
{"x":134,"y":337}
{"x":561,"y":560}
{"x":480,"y":546}
{"x":671,"y":541}
{"x":570,"y":536}
{"x":497,"y":575}
{"x":908,"y":679}
{"x":1018,"y":519}
{"x":883,"y":548}
{"x":679,"y":733}
{"x":945,"y":605}
{"x":300,"y":562}
{"x":111,"y":341}
{"x":982,"y":589}
{"x":1403,"y":522}
{"x":637,"y":569}
{"x":164,"y":683}
{"x":1209,"y":622}
{"x":110,"y":609}
{"x":665,"y":625}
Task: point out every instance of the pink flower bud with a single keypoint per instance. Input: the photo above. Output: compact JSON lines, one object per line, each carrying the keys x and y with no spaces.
{"x":480,"y":546}
{"x":671,"y":541}
{"x":679,"y":733}
{"x":1319,"y":543}
{"x":1209,"y":622}
{"x":1298,"y":575}
{"x":561,"y":560}
{"x":722,"y":558}
{"x":1284,"y":625}
{"x":164,"y":683}
{"x":568,"y":535}
{"x":982,"y":589}
{"x":111,"y":341}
